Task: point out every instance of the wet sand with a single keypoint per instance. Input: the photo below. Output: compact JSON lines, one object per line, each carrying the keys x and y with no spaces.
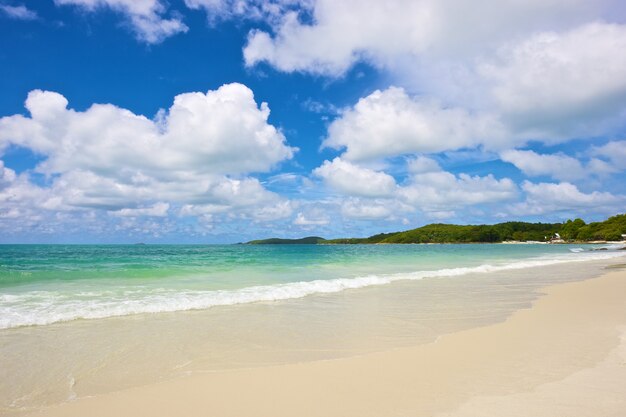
{"x":564,"y":356}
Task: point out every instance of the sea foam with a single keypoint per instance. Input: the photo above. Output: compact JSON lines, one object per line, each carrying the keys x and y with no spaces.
{"x":46,"y":307}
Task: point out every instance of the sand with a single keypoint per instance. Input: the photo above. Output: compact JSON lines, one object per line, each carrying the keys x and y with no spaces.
{"x":565,"y":356}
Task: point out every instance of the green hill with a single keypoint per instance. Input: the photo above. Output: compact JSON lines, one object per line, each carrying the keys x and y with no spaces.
{"x":611,"y":229}
{"x":572,"y":230}
{"x":452,"y":233}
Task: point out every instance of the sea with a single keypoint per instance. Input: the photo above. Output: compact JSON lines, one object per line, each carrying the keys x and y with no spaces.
{"x":78,"y":320}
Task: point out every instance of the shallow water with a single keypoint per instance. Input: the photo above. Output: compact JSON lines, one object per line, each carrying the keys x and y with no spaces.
{"x":44,"y":284}
{"x":300,"y":303}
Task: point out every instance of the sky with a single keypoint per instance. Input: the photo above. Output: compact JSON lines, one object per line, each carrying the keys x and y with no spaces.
{"x":222,"y":121}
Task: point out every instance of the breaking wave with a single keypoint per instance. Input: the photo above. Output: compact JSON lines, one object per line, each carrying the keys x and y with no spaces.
{"x":47,"y":307}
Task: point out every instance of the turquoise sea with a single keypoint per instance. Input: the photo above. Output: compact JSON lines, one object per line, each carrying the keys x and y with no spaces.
{"x":44,"y":284}
{"x":82,"y":320}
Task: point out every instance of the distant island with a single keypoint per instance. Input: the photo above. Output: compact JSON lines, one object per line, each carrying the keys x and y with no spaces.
{"x":310,"y":240}
{"x":612,"y":229}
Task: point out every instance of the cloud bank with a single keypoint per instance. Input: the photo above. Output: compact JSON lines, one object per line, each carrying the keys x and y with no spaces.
{"x":197,"y":155}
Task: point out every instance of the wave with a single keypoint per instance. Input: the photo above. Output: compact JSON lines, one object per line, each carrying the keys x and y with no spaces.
{"x":607,"y":247}
{"x":46,"y":307}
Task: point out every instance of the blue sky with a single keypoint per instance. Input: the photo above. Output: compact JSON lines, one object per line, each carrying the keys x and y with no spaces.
{"x":227,"y":120}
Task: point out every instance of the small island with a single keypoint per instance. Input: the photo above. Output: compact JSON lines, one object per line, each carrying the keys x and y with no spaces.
{"x":309,"y":240}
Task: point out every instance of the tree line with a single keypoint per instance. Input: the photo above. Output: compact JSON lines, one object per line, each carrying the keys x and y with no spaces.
{"x":575,"y":230}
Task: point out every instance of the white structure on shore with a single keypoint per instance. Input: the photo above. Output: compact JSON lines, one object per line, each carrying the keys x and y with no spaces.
{"x":556,"y":239}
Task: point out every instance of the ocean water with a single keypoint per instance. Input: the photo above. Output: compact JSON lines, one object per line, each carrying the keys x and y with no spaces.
{"x":81,"y":320}
{"x":44,"y":284}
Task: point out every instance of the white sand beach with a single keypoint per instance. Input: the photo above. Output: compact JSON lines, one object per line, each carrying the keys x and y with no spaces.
{"x":565,"y":356}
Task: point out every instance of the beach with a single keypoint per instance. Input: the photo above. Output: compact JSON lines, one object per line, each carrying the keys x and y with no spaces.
{"x":319,"y":330}
{"x":565,"y":355}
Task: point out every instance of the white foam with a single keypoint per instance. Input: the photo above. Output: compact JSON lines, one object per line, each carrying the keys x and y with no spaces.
{"x":47,"y":307}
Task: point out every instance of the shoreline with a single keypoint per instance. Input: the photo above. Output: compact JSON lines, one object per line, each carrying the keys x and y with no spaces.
{"x":285,"y":291}
{"x":573,"y":328}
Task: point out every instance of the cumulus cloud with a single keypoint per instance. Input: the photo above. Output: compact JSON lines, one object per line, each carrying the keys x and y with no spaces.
{"x":7,"y":175}
{"x":342,"y":33}
{"x":157,"y":210}
{"x":565,"y":197}
{"x":558,"y":166}
{"x":490,"y":77}
{"x":477,"y":77}
{"x":222,"y":131}
{"x":436,"y":194}
{"x":195,"y":155}
{"x":390,"y":122}
{"x":566,"y":194}
{"x":441,"y":191}
{"x":277,"y":209}
{"x":496,"y":74}
{"x":351,"y":179}
{"x":19,"y":12}
{"x":319,"y":220}
{"x":532,"y":102}
{"x":368,"y":195}
{"x":422,"y":164}
{"x":370,"y":210}
{"x":146,"y":17}
{"x":556,"y":85}
{"x":602,"y":160}
{"x":22,"y":203}
{"x":614,"y":152}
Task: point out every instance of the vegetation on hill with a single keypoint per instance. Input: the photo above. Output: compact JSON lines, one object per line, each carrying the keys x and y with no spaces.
{"x":451,"y":233}
{"x":611,"y":229}
{"x":572,"y":230}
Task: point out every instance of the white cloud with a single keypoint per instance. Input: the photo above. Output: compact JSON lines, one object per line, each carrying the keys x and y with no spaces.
{"x":267,"y":10}
{"x":361,"y":209}
{"x":318,"y":107}
{"x":443,"y":191}
{"x":19,"y":12}
{"x":556,"y":85}
{"x":390,"y":122}
{"x":422,"y":164}
{"x":544,"y":198}
{"x":7,"y":175}
{"x":365,"y":194}
{"x":271,"y":212}
{"x":147,"y":17}
{"x":565,"y":194}
{"x":614,"y":152}
{"x":196,"y":155}
{"x":301,"y":220}
{"x":551,"y":87}
{"x":558,"y":166}
{"x":441,"y":214}
{"x":21,"y":202}
{"x":342,"y":33}
{"x":284,"y":178}
{"x":220,"y":132}
{"x":601,"y":167}
{"x":157,"y":210}
{"x":351,"y":179}
{"x":605,"y":160}
{"x":246,"y":198}
{"x":489,"y":73}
